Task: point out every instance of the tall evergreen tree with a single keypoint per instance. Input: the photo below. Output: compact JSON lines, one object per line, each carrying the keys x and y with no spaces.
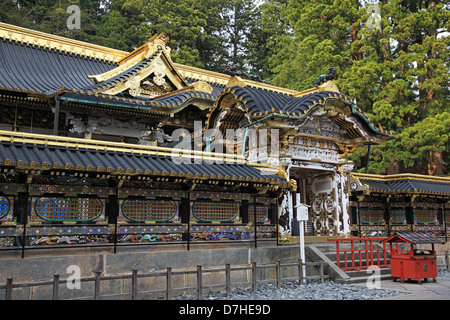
{"x":398,"y":73}
{"x":402,"y":82}
{"x":237,"y":15}
{"x":192,"y":25}
{"x":51,"y":16}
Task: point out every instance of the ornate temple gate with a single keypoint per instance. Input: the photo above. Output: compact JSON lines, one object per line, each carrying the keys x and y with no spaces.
{"x":323,"y":188}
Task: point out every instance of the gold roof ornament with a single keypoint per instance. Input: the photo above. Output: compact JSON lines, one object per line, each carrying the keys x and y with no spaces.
{"x":146,"y":68}
{"x":41,"y":39}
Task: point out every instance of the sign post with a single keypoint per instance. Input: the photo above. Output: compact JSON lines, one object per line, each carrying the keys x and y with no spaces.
{"x":302,"y":215}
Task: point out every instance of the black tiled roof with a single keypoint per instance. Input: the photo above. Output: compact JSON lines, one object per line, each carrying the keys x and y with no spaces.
{"x":407,"y":185}
{"x":173,"y":101}
{"x":413,"y":238}
{"x":60,"y":156}
{"x":36,"y":69}
{"x":260,"y":100}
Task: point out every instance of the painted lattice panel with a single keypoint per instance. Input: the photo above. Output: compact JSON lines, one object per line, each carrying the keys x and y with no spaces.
{"x":425,"y":215}
{"x":5,"y":207}
{"x":67,"y":209}
{"x":262,"y":212}
{"x":369,"y":215}
{"x":215,"y":210}
{"x":397,"y":215}
{"x":149,"y":210}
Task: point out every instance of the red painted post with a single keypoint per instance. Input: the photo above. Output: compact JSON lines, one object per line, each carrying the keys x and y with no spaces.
{"x":338,"y":260}
{"x":419,"y":278}
{"x":353,"y":253}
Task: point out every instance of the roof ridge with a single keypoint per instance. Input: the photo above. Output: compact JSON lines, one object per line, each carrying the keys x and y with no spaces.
{"x":400,"y":176}
{"x":54,"y":42}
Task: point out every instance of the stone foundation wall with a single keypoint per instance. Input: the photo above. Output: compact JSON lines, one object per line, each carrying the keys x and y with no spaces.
{"x":43,"y":268}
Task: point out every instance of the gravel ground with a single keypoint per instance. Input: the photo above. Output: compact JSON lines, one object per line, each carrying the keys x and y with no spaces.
{"x":293,"y":291}
{"x":444,"y":274}
{"x":310,"y":291}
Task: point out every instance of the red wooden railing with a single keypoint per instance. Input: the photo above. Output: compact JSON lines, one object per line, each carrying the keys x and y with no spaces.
{"x":357,"y":261}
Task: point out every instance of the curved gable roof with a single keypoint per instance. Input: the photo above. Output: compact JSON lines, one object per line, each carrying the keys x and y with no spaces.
{"x":262,"y":103}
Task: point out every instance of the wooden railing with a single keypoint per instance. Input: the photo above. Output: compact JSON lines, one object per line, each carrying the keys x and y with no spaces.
{"x":362,"y":258}
{"x":169,"y":290}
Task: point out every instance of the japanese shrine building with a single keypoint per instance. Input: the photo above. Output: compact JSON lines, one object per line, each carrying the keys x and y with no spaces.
{"x":87,"y":149}
{"x":381,"y":205}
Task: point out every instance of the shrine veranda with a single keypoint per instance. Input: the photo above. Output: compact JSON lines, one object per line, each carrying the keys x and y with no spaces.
{"x":86,"y":156}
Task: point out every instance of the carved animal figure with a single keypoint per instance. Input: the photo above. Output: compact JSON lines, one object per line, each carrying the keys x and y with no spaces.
{"x":149,"y":237}
{"x":47,"y":240}
{"x":330,"y":75}
{"x":68,"y":240}
{"x":128,"y":237}
{"x":232,"y":71}
{"x":284,"y":221}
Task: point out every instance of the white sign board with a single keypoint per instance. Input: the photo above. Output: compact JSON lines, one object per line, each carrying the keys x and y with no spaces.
{"x":302,"y":212}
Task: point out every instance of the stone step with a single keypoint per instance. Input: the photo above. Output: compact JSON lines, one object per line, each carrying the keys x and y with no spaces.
{"x":367,"y":273}
{"x":363,"y":279}
{"x":363,"y":267}
{"x":356,"y":276}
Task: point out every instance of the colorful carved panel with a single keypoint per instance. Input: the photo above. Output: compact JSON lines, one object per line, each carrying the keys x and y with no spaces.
{"x":126,"y":192}
{"x":373,"y":230}
{"x":12,"y":188}
{"x":223,"y":233}
{"x":140,"y":234}
{"x":219,"y":195}
{"x":324,"y":213}
{"x":7,"y":232}
{"x":40,"y":189}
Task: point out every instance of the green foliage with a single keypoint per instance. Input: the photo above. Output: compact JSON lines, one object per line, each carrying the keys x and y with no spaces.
{"x":398,"y":74}
{"x":51,"y":17}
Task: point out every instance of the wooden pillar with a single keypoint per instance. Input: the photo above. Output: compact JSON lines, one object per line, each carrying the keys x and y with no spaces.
{"x":112,"y":212}
{"x":21,"y":213}
{"x":254,"y":221}
{"x":185,"y":212}
{"x":56,"y":117}
{"x":244,"y":211}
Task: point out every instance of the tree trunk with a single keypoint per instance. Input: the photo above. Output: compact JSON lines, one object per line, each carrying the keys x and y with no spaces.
{"x":435,"y":164}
